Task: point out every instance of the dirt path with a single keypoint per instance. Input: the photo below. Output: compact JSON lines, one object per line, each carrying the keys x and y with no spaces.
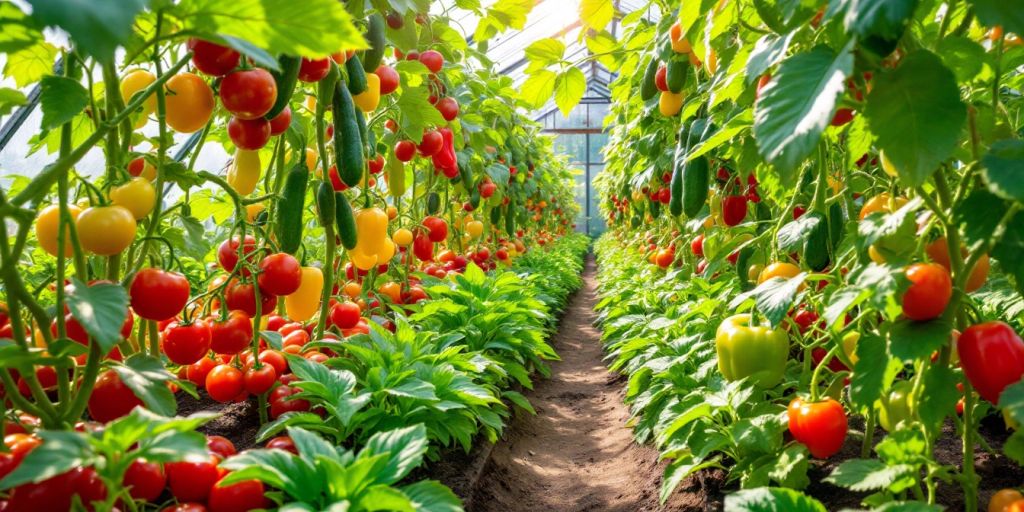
{"x":576,"y":454}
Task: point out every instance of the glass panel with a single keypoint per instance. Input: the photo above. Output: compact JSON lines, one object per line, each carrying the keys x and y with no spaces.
{"x":572,"y":144}
{"x":598,"y":111}
{"x":595,"y":225}
{"x":597,"y":141}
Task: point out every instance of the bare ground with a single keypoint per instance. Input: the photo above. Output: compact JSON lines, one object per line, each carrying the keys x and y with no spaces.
{"x":577,"y":454}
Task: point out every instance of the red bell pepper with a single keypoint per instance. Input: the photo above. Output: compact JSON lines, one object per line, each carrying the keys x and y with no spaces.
{"x":992,"y":356}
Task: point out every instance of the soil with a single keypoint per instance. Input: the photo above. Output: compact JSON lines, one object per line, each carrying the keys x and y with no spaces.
{"x":577,"y":453}
{"x":238,"y":422}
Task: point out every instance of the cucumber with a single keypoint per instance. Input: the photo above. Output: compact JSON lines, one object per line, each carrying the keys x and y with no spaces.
{"x":285,"y":81}
{"x":396,"y":177}
{"x":374,"y":36}
{"x":495,"y":216}
{"x":433,"y":203}
{"x":675,"y":204}
{"x":647,"y":86}
{"x":288,"y":225}
{"x":356,"y":76}
{"x":345,"y":221}
{"x":836,"y":222}
{"x":325,"y":204}
{"x":655,"y":209}
{"x":816,"y":245}
{"x":695,"y":177}
{"x":474,"y":198}
{"x":675,"y":75}
{"x":510,"y":221}
{"x":348,"y":146}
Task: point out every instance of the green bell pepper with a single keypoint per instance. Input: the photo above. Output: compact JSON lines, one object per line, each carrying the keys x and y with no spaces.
{"x":755,"y":351}
{"x":894,"y":406}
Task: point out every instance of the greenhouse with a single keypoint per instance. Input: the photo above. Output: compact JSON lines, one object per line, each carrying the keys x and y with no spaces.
{"x":511,"y":255}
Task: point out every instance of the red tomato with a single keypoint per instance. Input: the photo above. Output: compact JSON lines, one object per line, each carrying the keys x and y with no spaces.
{"x":242,"y":296}
{"x":405,"y":150}
{"x":145,"y":480}
{"x":660,"y":78}
{"x":431,"y":143}
{"x":250,"y":134}
{"x":260,"y":380}
{"x":185,"y":507}
{"x":314,"y":70}
{"x":345,"y":314}
{"x":296,"y":338}
{"x":227,"y":253}
{"x":433,"y":60}
{"x":487,"y":189}
{"x":56,"y":493}
{"x":437,"y":228}
{"x":192,"y":481}
{"x":280,"y":274}
{"x":241,"y":497}
{"x":929,"y":292}
{"x":212,"y":58}
{"x":734,"y":210}
{"x":220,"y":446}
{"x":275,"y":322}
{"x":389,"y":79}
{"x":186,"y":343}
{"x":158,"y":294}
{"x":448,"y":107}
{"x":224,"y":383}
{"x":197,"y":371}
{"x":821,"y":426}
{"x":422,"y":246}
{"x":232,"y":334}
{"x":110,"y":398}
{"x":697,"y":246}
{"x":282,"y":443}
{"x":19,"y":446}
{"x":275,"y":359}
{"x":248,"y":94}
{"x":798,"y":211}
{"x":280,"y":123}
{"x":376,"y":165}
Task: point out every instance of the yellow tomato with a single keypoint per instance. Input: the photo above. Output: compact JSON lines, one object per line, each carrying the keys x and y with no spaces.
{"x":938,"y":251}
{"x":253,"y":210}
{"x":875,"y":255}
{"x":106,"y":230}
{"x":402,"y":237}
{"x":881,"y":203}
{"x":475,"y":228}
{"x":134,"y":82}
{"x":353,"y":289}
{"x":1004,"y":498}
{"x":311,"y":103}
{"x":368,"y":100}
{"x":189,"y":103}
{"x":778,"y":269}
{"x":138,"y":196}
{"x":754,"y":271}
{"x":670,"y":103}
{"x":244,"y":172}
{"x":850,"y":346}
{"x":392,"y":212}
{"x":311,"y":158}
{"x":392,"y":290}
{"x":47,"y":226}
{"x":305,"y":302}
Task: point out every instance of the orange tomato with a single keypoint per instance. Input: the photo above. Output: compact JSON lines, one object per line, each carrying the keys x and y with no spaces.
{"x":189,"y":103}
{"x":47,"y":225}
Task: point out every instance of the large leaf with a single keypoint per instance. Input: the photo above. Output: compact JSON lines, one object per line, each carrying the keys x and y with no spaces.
{"x":96,"y":27}
{"x":100,"y":309}
{"x":543,"y":53}
{"x":538,"y":89}
{"x":147,"y":377}
{"x":797,"y":104}
{"x":1004,"y":169}
{"x":867,"y":474}
{"x":432,"y":496}
{"x":417,"y":112}
{"x":405,"y":448}
{"x":1006,"y":14}
{"x":874,"y":371}
{"x":61,"y":100}
{"x":1009,"y":247}
{"x":569,"y":89}
{"x":768,"y":51}
{"x":917,"y":115}
{"x":596,"y":14}
{"x":771,"y":499}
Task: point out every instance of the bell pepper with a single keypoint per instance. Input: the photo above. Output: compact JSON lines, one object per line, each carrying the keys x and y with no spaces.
{"x":820,"y":426}
{"x":894,"y":406}
{"x":992,"y":356}
{"x":368,"y":100}
{"x":755,"y":351}
{"x":305,"y":302}
{"x":371,"y":230}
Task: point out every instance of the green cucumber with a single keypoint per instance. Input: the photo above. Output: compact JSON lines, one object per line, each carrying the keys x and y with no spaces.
{"x":345,"y":221}
{"x":288,"y":225}
{"x":647,"y":86}
{"x":374,"y":36}
{"x":285,"y":81}
{"x":815,"y":247}
{"x":348,"y":146}
{"x":325,"y":204}
{"x":675,"y":75}
{"x":695,"y":178}
{"x":356,"y":76}
{"x":495,"y":216}
{"x":433,"y":203}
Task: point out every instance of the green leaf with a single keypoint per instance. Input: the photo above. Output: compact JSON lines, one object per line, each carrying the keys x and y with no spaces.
{"x":596,"y":14}
{"x":1011,"y":400}
{"x":61,"y":100}
{"x":797,"y":105}
{"x":417,"y":112}
{"x":405,"y":448}
{"x":30,"y":64}
{"x":273,"y":338}
{"x":862,"y":475}
{"x":147,"y":377}
{"x":60,"y":452}
{"x":9,"y":99}
{"x":771,"y":499}
{"x":278,"y":26}
{"x":886,"y":19}
{"x":793,"y":234}
{"x":17,"y":30}
{"x":569,"y":89}
{"x":543,"y":53}
{"x":537,"y":89}
{"x":1008,"y":15}
{"x":1004,"y":169}
{"x":519,"y":400}
{"x":791,"y":467}
{"x":176,"y":172}
{"x":432,"y":496}
{"x":902,"y":446}
{"x":101,"y":309}
{"x":910,"y":340}
{"x":962,"y":55}
{"x":979,"y":215}
{"x":938,"y":401}
{"x":768,"y":51}
{"x":917,"y":115}
{"x":775,"y":296}
{"x":1008,"y":249}
{"x":874,"y":371}
{"x":97,"y":28}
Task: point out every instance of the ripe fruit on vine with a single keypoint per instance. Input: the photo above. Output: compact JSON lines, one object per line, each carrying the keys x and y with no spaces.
{"x":280,"y":123}
{"x":158,"y":294}
{"x":660,"y":78}
{"x":734,"y":210}
{"x":105,"y":230}
{"x":227,"y":253}
{"x":231,"y":335}
{"x":248,"y":94}
{"x":186,"y":343}
{"x":249,"y":134}
{"x":929,"y":292}
{"x":431,"y":143}
{"x":314,"y":70}
{"x":213,"y":59}
{"x":111,"y":398}
{"x":280,"y":274}
{"x":448,"y":107}
{"x":389,"y":79}
{"x":821,"y":426}
{"x":189,"y":103}
{"x":405,"y":150}
{"x":224,"y":383}
{"x":433,"y":60}
{"x":138,"y":196}
{"x":47,"y":226}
